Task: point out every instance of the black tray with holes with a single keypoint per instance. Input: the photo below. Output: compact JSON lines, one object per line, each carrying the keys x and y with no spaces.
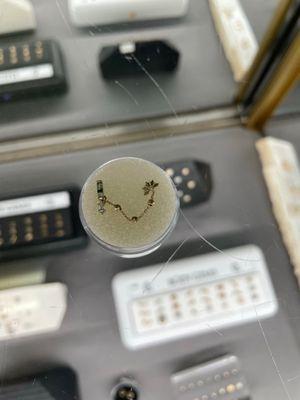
{"x":192,"y":179}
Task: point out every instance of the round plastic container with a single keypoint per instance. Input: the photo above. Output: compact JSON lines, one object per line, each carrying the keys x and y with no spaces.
{"x":129,"y":206}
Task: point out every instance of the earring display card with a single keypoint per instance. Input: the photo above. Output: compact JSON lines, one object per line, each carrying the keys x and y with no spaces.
{"x":32,"y":310}
{"x":221,"y":378}
{"x":236,"y":34}
{"x":129,"y":206}
{"x":192,"y":179}
{"x":193,"y":296}
{"x":30,"y":67}
{"x":281,"y":170}
{"x":31,"y":224}
{"x":57,"y":384}
{"x":102,"y":12}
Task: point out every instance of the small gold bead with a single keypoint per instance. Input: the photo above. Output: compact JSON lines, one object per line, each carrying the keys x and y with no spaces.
{"x":151,"y":202}
{"x":117,"y":207}
{"x":134,"y":219}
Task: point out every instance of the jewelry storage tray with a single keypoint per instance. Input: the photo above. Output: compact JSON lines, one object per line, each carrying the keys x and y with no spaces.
{"x":237,"y":213}
{"x":203,"y":80}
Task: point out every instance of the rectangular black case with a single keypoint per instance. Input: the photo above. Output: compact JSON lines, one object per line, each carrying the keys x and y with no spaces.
{"x":31,"y":68}
{"x":57,"y":384}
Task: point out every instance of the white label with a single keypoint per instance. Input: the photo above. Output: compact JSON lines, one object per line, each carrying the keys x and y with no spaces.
{"x":127,"y":48}
{"x":25,"y":74}
{"x":33,"y":204}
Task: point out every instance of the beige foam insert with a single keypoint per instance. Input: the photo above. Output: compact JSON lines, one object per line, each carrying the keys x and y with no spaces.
{"x":123,"y":182}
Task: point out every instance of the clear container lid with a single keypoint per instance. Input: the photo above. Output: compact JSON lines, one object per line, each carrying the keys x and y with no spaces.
{"x":129,"y":206}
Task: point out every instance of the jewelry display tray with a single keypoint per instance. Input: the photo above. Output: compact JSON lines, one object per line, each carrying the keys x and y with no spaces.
{"x":203,"y":79}
{"x":238,"y":213}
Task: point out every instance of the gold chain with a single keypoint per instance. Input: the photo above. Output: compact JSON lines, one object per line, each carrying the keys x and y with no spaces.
{"x":149,"y":188}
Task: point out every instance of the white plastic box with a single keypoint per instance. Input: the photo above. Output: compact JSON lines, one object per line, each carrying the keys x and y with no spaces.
{"x":101,"y":12}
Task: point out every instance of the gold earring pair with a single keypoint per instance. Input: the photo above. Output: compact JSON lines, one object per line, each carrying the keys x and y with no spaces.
{"x":149,"y":189}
